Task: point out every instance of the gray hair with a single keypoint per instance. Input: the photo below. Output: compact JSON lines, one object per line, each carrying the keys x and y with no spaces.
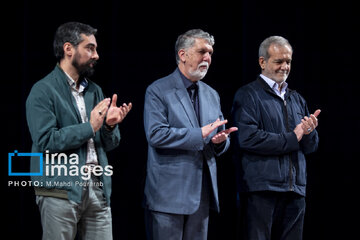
{"x":187,"y":40}
{"x":70,"y":32}
{"x":276,"y":40}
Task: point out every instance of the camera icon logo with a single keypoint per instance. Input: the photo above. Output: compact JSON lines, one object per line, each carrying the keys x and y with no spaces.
{"x":16,"y":154}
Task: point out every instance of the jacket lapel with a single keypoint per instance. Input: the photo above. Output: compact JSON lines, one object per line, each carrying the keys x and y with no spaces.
{"x":90,"y":99}
{"x":66,"y":91}
{"x":184,"y":99}
{"x":203,"y":105}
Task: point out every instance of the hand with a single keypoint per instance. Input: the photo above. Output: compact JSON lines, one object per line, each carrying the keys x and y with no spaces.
{"x":309,"y":124}
{"x":208,"y":129}
{"x":303,"y":128}
{"x":98,"y":114}
{"x":116,"y":114}
{"x":223,"y":135}
{"x":299,"y":131}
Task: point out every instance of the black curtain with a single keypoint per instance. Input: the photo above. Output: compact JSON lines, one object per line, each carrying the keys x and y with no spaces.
{"x":136,"y":46}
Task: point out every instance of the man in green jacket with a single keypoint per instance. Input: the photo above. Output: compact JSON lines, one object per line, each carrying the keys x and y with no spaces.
{"x":73,"y":125}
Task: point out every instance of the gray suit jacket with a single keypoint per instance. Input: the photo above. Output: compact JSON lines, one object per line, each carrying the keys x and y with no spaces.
{"x":176,"y":148}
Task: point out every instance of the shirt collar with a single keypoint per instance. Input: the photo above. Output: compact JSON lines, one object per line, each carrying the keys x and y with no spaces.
{"x":83,"y":84}
{"x":274,"y":85}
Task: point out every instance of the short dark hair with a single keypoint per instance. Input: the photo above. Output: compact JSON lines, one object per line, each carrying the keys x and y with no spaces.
{"x":70,"y":32}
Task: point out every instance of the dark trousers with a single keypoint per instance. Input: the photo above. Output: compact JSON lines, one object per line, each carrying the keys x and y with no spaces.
{"x":168,"y":226}
{"x":273,"y":215}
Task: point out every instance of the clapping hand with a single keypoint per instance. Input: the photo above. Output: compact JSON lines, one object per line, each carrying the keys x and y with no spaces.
{"x":116,"y":114}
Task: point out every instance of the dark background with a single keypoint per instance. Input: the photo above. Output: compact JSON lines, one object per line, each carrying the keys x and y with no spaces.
{"x":136,"y":46}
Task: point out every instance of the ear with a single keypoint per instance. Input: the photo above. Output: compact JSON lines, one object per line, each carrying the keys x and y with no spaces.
{"x":262,"y":62}
{"x":68,"y":49}
{"x":181,"y":54}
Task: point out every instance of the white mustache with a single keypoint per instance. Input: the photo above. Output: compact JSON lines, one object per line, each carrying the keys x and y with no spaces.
{"x":283,"y":71}
{"x":203,"y":64}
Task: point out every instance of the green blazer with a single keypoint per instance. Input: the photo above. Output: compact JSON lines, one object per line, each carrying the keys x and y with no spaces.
{"x":55,"y":126}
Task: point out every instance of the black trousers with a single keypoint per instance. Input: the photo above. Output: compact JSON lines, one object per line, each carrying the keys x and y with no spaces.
{"x":168,"y":226}
{"x":273,"y":216}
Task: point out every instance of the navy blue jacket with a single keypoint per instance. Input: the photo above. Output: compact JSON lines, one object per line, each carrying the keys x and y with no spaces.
{"x":269,"y":155}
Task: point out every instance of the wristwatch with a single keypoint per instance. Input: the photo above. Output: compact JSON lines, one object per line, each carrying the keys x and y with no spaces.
{"x":108,"y":127}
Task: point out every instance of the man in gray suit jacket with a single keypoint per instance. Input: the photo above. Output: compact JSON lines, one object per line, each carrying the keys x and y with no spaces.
{"x":185,"y":130}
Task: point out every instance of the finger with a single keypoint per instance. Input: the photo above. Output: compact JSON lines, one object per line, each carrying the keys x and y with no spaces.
{"x":308,"y":126}
{"x":101,"y":107}
{"x":314,"y":119}
{"x":220,"y":134}
{"x":230,"y":130}
{"x":124,"y":111}
{"x":104,"y":111}
{"x":310,"y":122}
{"x":114,"y":99}
{"x":104,"y":102}
{"x":129,"y":106}
{"x":214,"y":138}
{"x":218,"y":123}
{"x":304,"y":129}
{"x":305,"y":124}
{"x":312,"y":126}
{"x":218,"y":138}
{"x":317,"y":112}
{"x":126,"y":108}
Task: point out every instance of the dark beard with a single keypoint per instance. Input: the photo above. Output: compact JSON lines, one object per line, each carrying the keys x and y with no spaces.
{"x":84,"y":70}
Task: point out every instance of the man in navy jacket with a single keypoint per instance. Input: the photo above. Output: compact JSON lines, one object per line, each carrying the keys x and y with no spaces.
{"x":275,"y":132}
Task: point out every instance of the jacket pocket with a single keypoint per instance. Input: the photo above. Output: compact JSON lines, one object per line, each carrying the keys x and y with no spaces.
{"x":266,"y":170}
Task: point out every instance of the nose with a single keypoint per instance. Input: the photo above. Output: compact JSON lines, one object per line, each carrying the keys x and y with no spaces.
{"x":95,"y":55}
{"x":285,"y":65}
{"x":207,"y":57}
